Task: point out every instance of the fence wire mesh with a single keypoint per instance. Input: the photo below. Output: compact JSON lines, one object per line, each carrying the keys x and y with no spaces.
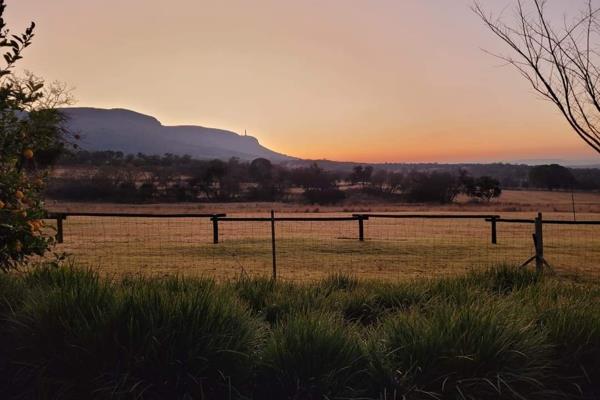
{"x":573,"y":249}
{"x":393,"y":248}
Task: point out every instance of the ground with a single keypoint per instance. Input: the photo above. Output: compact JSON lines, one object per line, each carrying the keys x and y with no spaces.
{"x":509,"y":201}
{"x":393,"y":249}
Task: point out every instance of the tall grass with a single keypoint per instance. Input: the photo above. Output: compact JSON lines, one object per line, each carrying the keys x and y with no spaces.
{"x":75,"y":335}
{"x":480,"y":350}
{"x":503,"y":333}
{"x":312,"y":356}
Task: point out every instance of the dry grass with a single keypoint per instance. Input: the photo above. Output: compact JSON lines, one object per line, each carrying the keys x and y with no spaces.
{"x":394,"y":249}
{"x":510,"y":201}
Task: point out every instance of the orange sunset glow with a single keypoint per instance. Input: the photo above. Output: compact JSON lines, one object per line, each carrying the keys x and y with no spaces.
{"x":369,"y":81}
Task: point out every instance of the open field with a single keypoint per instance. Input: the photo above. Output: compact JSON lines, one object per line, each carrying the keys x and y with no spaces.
{"x":509,"y":201}
{"x":497,"y":334}
{"x":394,"y":249}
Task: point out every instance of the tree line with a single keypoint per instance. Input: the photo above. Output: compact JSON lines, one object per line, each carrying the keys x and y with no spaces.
{"x":138,"y":178}
{"x":114,"y":176}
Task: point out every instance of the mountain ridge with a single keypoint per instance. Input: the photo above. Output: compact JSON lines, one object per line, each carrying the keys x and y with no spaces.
{"x":120,"y":129}
{"x":132,"y":132}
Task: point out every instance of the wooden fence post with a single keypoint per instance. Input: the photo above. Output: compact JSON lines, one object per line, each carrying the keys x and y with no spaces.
{"x":494,"y":231}
{"x":539,"y":243}
{"x":215,"y":221}
{"x":59,"y":228}
{"x":274,"y":254}
{"x":361,"y":228}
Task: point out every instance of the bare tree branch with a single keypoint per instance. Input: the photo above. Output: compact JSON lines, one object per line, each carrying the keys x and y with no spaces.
{"x":563,"y":66}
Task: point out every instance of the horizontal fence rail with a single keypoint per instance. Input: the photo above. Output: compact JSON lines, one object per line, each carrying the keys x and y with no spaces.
{"x":371,"y":245}
{"x":54,"y":215}
{"x":430,"y":216}
{"x":289,"y":219}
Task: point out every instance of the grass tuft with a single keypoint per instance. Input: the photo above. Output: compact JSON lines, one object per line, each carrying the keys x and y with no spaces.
{"x":312,"y":356}
{"x":484,"y":350}
{"x":339,"y":281}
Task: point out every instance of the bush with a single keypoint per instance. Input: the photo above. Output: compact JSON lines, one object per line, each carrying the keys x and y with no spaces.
{"x":482,"y":188}
{"x":30,"y":131}
{"x":552,"y":176}
{"x":438,"y":187}
{"x":324,"y":196}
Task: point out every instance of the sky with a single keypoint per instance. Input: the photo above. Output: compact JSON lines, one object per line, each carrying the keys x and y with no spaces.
{"x":361,"y":80}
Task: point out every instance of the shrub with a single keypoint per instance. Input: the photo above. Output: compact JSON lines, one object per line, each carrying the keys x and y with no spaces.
{"x":438,"y":187}
{"x":551,"y":177}
{"x":324,"y":196}
{"x":30,"y":131}
{"x":483,"y":188}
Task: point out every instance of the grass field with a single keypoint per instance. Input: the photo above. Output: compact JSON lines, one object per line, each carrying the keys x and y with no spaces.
{"x":393,"y":249}
{"x":497,"y":334}
{"x":509,"y":201}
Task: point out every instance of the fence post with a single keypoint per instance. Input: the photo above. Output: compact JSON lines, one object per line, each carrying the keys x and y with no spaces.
{"x":59,"y":228}
{"x":215,"y":221}
{"x":361,"y":228}
{"x":494,"y":231}
{"x":273,"y":245}
{"x":539,"y":243}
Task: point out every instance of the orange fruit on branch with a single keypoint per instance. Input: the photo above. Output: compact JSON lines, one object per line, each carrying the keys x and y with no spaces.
{"x":28,"y":154}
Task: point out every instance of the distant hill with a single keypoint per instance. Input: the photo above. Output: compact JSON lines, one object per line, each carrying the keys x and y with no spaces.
{"x":132,"y":132}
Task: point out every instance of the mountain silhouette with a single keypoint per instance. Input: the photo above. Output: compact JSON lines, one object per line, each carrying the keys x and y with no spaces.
{"x":131,"y":132}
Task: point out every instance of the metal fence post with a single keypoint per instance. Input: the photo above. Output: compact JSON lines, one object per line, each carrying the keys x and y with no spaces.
{"x":494,"y":231}
{"x":215,"y":221}
{"x":539,"y":243}
{"x":274,"y":254}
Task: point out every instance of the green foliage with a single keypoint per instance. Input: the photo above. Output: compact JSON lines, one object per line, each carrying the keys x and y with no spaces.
{"x":30,"y":132}
{"x":484,"y":350}
{"x":339,"y":281}
{"x":75,"y":334}
{"x":312,"y":356}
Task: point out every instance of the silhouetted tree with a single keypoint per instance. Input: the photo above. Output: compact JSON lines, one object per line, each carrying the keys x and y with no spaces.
{"x":562,"y":66}
{"x":551,"y":177}
{"x":361,"y":175}
{"x":261,"y":171}
{"x":439,"y":187}
{"x":484,"y":188}
{"x":379,"y":180}
{"x":313,"y":177}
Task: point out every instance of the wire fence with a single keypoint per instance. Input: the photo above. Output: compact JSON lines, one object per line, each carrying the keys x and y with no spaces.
{"x":305,"y":247}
